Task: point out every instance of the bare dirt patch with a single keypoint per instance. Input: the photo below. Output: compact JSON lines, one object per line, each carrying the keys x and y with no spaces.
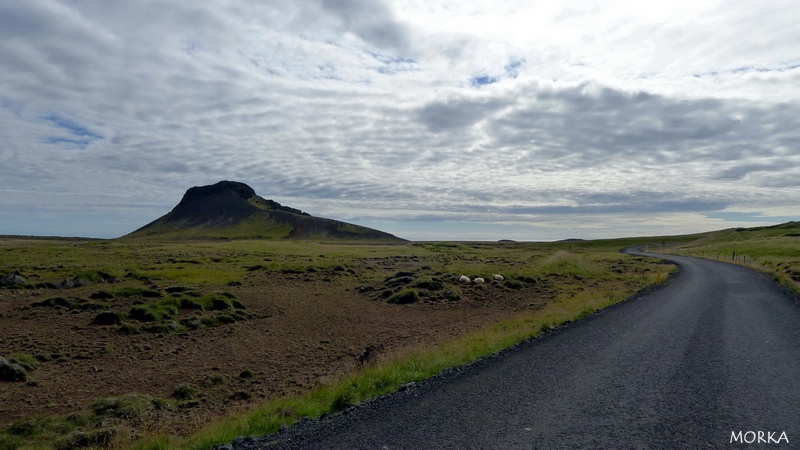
{"x":302,"y":330}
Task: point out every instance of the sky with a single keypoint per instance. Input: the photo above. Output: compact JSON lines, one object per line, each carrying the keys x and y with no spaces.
{"x":431,"y":120}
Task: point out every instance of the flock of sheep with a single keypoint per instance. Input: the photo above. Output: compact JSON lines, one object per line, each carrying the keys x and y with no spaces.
{"x":463,"y":279}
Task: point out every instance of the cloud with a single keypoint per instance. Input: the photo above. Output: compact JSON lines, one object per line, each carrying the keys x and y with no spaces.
{"x":599,"y":123}
{"x":371,"y":20}
{"x":402,"y":112}
{"x":457,"y":112}
{"x":748,"y":217}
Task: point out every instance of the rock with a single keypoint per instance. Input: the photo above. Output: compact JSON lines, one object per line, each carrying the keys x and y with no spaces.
{"x":66,"y":284}
{"x":192,"y":323}
{"x":107,"y":318}
{"x":13,"y":279}
{"x":370,"y":353}
{"x":12,"y":372}
{"x":235,"y":283}
{"x":244,"y":441}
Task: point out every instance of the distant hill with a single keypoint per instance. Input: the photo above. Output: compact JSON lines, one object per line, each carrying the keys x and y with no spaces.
{"x":232,"y":210}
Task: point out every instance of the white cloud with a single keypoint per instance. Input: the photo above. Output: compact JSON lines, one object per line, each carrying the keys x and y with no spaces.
{"x":409,"y":114}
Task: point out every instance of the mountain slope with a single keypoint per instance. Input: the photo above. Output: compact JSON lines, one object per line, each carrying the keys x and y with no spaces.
{"x":232,"y":210}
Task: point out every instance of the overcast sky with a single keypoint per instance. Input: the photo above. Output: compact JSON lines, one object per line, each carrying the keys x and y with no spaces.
{"x":432,"y":120}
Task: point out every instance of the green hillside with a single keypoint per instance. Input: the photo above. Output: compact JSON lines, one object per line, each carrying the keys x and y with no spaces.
{"x":232,"y":210}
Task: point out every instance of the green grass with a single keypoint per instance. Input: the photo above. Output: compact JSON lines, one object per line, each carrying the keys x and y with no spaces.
{"x":256,"y":227}
{"x":159,"y":314}
{"x":771,"y":250}
{"x":25,"y":360}
{"x":104,"y":421}
{"x":405,"y":296}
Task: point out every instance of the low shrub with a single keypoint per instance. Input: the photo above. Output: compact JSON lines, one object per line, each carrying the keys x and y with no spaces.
{"x":190,"y":303}
{"x":107,"y":318}
{"x":513,"y":284}
{"x":398,"y":281}
{"x":527,"y":279}
{"x":404,"y":297}
{"x":127,"y":406}
{"x":54,"y":302}
{"x":94,"y":276}
{"x":34,"y":426}
{"x":217,"y":380}
{"x":127,"y":292}
{"x":128,"y":329}
{"x":220,"y":304}
{"x":192,"y":323}
{"x":93,"y":438}
{"x":451,"y":295}
{"x":25,"y":360}
{"x":185,"y":392}
{"x":210,"y":321}
{"x":226,"y":319}
{"x":239,"y":396}
{"x":177,"y":289}
{"x":431,"y":285}
{"x":218,"y":301}
{"x":143,"y":313}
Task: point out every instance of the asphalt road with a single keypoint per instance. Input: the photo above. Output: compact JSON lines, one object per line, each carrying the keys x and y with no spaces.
{"x":714,"y":352}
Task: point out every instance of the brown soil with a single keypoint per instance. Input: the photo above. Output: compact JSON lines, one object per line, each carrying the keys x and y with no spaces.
{"x":305,"y":330}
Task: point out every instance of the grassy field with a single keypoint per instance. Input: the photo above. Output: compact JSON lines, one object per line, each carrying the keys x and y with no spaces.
{"x":202,"y":341}
{"x":773,"y":250}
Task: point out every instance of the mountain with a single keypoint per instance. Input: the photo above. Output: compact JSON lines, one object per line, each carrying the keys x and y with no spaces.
{"x":232,"y":210}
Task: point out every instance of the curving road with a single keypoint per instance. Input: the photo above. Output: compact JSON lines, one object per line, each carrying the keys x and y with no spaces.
{"x":715,"y":351}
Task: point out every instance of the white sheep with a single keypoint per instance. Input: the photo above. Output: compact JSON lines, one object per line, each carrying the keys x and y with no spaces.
{"x":463,"y":279}
{"x":478,"y":280}
{"x":498,"y":277}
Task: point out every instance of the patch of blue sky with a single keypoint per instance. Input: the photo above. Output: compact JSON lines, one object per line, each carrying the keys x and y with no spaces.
{"x":780,"y":67}
{"x":512,"y":68}
{"x":762,"y":69}
{"x":750,"y":217}
{"x":72,"y":127}
{"x":483,"y":80}
{"x":392,"y":70}
{"x":386,"y":59}
{"x":393,"y":64}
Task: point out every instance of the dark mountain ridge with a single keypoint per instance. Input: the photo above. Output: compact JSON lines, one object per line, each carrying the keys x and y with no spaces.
{"x":233,"y":210}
